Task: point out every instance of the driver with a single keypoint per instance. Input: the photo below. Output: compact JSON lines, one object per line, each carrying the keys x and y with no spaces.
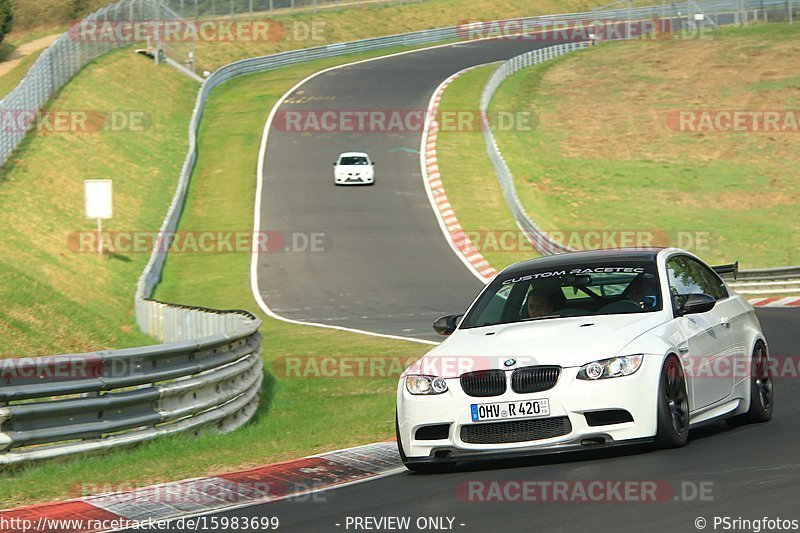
{"x":538,"y":305}
{"x":641,"y":291}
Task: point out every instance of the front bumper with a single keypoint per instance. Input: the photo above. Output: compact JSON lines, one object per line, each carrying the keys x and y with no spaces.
{"x":571,"y":397}
{"x":354,"y":180}
{"x":444,"y":455}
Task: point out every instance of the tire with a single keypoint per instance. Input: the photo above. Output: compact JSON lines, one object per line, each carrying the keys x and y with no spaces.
{"x":420,"y":468}
{"x":761,"y":390}
{"x":673,"y":406}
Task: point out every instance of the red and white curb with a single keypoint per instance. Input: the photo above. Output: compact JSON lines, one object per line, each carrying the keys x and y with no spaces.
{"x":789,"y":301}
{"x":199,"y":496}
{"x":445,"y":213}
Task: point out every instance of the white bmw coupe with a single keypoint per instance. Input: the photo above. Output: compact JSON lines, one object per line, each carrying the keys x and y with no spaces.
{"x":585,"y":350}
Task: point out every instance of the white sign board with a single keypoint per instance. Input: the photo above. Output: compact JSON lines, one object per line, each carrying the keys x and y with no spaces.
{"x":99,"y":199}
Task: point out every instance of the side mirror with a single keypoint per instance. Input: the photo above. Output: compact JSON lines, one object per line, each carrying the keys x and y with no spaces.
{"x":373,"y":163}
{"x":696,"y":304}
{"x":335,"y":163}
{"x":446,"y":325}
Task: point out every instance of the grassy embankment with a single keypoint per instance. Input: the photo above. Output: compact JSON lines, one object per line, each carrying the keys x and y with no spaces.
{"x":89,"y":299}
{"x":606,"y":156}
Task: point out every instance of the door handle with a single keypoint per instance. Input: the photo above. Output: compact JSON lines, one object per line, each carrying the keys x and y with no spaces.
{"x":725,"y":321}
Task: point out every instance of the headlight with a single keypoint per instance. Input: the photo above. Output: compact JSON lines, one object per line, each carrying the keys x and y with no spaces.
{"x":611,"y":368}
{"x":421,"y":385}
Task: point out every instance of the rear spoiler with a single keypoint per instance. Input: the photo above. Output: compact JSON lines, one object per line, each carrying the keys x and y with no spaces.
{"x":727,"y":269}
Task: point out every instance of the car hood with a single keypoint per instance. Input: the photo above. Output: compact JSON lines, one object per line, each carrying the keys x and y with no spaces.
{"x":566,"y":342}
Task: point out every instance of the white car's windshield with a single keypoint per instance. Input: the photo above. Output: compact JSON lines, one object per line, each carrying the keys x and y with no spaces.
{"x":566,"y":291}
{"x":353,"y":160}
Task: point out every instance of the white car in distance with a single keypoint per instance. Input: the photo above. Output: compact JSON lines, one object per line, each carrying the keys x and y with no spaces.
{"x":354,"y":168}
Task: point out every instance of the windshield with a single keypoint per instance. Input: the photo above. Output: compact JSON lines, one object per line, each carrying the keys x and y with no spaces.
{"x":584,"y":290}
{"x":353,"y":160}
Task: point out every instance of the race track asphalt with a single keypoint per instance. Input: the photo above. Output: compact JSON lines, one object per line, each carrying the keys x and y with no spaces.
{"x":748,"y":472}
{"x":388,"y":269}
{"x":386,"y":266}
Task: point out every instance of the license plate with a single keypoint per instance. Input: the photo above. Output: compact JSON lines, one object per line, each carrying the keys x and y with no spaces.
{"x":481,"y":412}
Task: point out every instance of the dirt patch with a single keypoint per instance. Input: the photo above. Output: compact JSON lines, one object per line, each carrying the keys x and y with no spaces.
{"x":621,"y":109}
{"x":24,"y":50}
{"x":730,"y":201}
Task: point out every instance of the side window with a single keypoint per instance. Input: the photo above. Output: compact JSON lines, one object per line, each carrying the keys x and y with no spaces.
{"x":709,"y":281}
{"x":687,"y":276}
{"x":682,"y":280}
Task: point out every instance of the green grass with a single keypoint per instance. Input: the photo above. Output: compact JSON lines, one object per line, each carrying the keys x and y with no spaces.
{"x":59,"y":301}
{"x":54,"y":299}
{"x":297,"y":416}
{"x":603,"y":158}
{"x":372,"y":20}
{"x":468,"y":175}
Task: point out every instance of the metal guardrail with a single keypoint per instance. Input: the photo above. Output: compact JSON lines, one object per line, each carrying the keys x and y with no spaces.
{"x":766,"y":281}
{"x":66,"y":404}
{"x":539,"y":238}
{"x":68,"y":54}
{"x":57,"y":64}
{"x":59,"y":405}
{"x":152,"y":272}
{"x":206,"y":378}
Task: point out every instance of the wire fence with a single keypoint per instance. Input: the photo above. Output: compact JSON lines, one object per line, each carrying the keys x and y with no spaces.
{"x":74,"y":49}
{"x":214,"y":381}
{"x":57,"y":65}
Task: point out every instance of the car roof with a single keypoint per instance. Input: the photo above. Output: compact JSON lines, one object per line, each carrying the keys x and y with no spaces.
{"x":354,"y":154}
{"x":579,"y":258}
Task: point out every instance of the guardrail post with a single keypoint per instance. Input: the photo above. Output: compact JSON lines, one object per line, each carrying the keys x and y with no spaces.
{"x":630,"y":20}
